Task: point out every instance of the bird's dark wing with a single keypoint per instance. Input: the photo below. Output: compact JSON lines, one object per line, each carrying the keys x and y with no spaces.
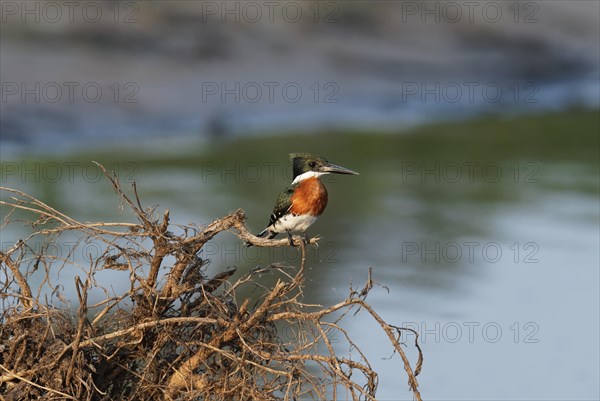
{"x":283,"y":204}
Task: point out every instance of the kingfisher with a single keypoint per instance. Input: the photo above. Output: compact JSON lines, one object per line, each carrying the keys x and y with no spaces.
{"x":300,"y":204}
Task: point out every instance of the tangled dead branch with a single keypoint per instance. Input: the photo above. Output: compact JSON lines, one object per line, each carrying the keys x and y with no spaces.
{"x":175,"y":334}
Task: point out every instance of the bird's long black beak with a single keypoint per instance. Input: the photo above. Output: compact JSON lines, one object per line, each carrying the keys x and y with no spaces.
{"x":333,"y":168}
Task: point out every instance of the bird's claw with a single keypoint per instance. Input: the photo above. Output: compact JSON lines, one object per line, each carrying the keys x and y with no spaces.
{"x":290,"y":238}
{"x":306,"y":239}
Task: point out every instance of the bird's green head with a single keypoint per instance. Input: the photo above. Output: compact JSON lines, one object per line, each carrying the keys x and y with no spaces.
{"x":304,"y":163}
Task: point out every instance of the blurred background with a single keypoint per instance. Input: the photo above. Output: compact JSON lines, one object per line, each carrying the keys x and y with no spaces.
{"x":474,"y":126}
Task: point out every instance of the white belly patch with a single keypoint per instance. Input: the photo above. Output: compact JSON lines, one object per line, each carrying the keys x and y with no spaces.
{"x":293,"y":223}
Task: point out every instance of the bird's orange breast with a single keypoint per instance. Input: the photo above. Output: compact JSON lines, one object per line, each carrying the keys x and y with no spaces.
{"x":310,"y":197}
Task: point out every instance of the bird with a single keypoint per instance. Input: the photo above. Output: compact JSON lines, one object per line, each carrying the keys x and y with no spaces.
{"x":300,"y":204}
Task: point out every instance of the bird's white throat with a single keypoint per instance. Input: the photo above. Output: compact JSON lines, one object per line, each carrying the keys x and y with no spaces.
{"x":308,"y":174}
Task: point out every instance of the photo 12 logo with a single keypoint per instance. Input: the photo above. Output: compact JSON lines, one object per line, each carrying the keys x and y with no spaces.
{"x":253,"y":12}
{"x":452,"y":12}
{"x":237,"y":252}
{"x":251,"y":172}
{"x":76,"y":252}
{"x":469,"y":252}
{"x":69,"y":172}
{"x":470,"y":172}
{"x":269,"y":92}
{"x":470,"y":92}
{"x":472,"y":332}
{"x":53,"y":12}
{"x":69,"y":92}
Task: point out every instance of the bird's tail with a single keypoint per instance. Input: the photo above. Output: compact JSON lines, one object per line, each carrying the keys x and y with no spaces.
{"x":267,"y":233}
{"x":264,"y":233}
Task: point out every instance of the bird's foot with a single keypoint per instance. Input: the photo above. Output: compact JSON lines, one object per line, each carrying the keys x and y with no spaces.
{"x":290,"y":238}
{"x":306,"y":239}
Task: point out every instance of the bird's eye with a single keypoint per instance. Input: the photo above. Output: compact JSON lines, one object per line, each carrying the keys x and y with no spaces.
{"x":312,"y":164}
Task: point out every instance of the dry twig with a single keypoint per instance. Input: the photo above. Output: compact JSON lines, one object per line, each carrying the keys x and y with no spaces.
{"x":176,"y":334}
